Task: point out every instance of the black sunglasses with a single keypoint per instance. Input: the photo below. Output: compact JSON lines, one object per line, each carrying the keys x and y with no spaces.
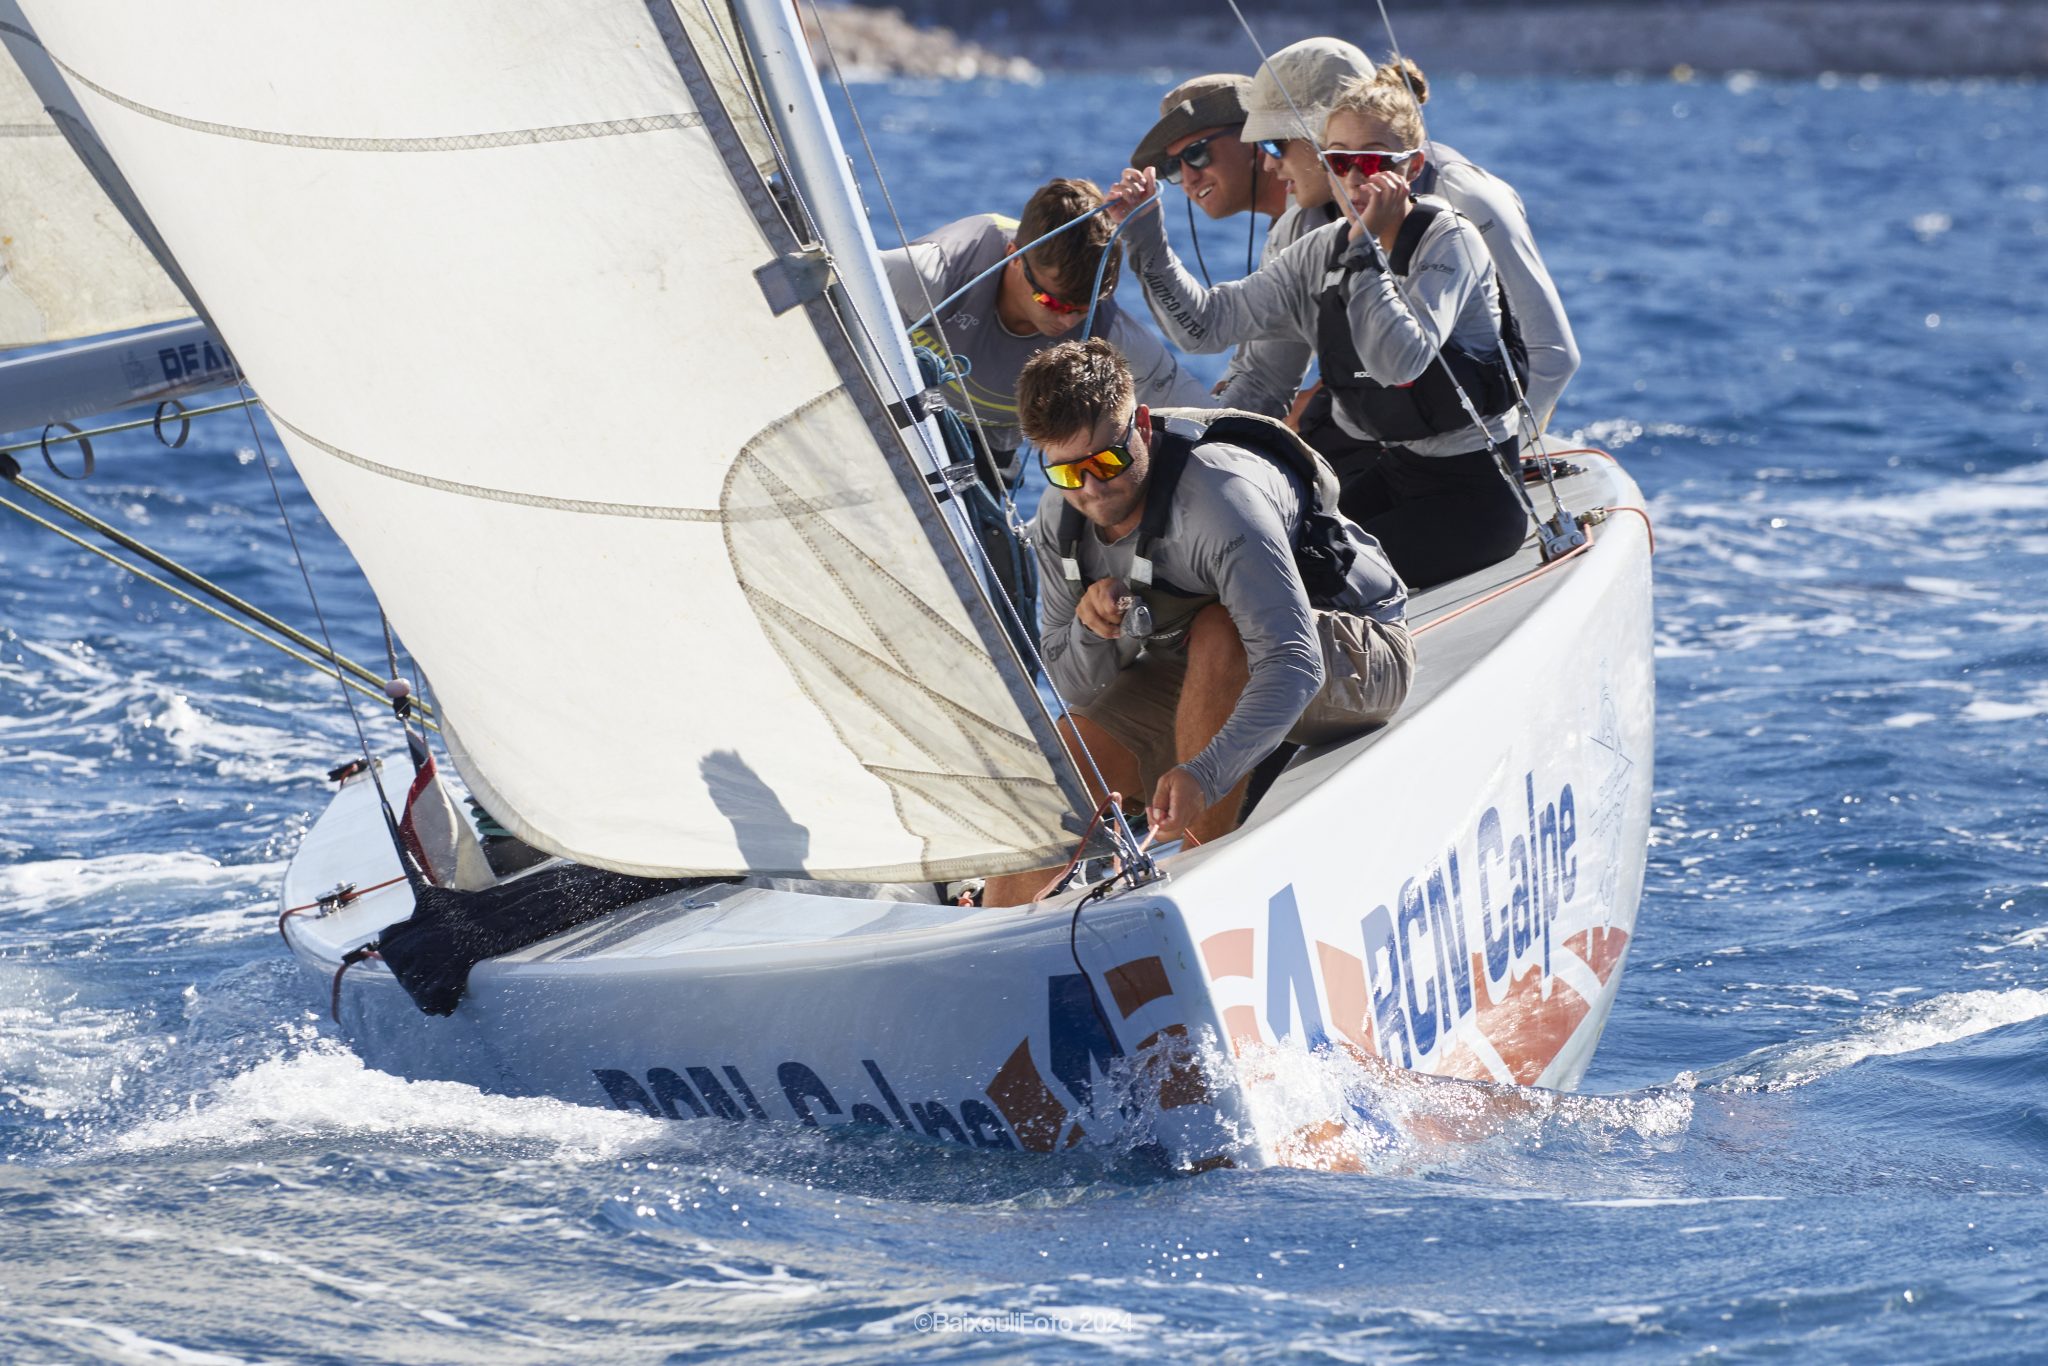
{"x":1195,"y":156}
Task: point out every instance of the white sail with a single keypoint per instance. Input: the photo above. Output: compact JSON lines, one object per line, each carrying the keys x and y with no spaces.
{"x":503,"y":283}
{"x":70,"y":265}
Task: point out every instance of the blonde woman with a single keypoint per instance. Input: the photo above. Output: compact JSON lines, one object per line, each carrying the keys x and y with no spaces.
{"x":1285,"y":106}
{"x":1402,"y":305}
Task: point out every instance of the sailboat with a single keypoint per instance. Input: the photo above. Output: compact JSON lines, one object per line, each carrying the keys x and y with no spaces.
{"x":741,"y":696}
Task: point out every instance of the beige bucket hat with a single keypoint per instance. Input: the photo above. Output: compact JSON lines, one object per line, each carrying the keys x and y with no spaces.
{"x":1310,"y":72}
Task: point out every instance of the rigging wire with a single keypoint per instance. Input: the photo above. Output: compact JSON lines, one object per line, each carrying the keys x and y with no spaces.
{"x":1196,"y":238}
{"x":10,"y":471}
{"x":969,"y":548}
{"x":1067,"y":226}
{"x":923,"y":287}
{"x":1526,"y":415}
{"x":1251,"y":228}
{"x":87,"y":435}
{"x":299,"y":555}
{"x":316,"y":665}
{"x":1102,"y":266}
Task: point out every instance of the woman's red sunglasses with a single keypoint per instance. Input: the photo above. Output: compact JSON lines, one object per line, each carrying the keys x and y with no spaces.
{"x":1343,"y":162}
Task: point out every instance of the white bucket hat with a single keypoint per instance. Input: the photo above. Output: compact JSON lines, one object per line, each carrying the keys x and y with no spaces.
{"x":1310,"y":72}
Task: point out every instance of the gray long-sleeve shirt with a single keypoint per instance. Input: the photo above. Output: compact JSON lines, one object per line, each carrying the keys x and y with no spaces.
{"x":1266,"y":372}
{"x":1230,"y":533}
{"x":1496,"y":211}
{"x":1398,"y":323}
{"x":935,"y":265}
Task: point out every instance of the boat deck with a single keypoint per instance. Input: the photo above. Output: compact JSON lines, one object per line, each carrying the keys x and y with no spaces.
{"x":1456,"y":625}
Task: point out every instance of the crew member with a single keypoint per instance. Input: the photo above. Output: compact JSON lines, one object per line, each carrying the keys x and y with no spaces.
{"x":1285,"y":105}
{"x":1402,"y":305}
{"x":1496,"y":210}
{"x":1197,"y":144}
{"x":1040,"y":296}
{"x":1309,"y":73}
{"x":1201,"y":601}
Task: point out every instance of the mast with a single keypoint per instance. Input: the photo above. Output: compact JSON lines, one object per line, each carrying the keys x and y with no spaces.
{"x":817,"y":162}
{"x":824,"y":179}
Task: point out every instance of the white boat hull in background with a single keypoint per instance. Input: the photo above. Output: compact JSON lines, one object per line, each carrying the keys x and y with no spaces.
{"x":1455,"y":896}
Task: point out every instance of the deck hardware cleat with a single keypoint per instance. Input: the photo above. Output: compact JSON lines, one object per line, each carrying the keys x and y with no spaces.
{"x":334,"y":899}
{"x":1560,"y":535}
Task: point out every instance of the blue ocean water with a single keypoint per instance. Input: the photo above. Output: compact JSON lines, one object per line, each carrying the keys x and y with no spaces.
{"x":1816,"y":1128}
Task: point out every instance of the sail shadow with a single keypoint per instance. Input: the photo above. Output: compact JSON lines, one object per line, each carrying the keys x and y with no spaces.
{"x":768,"y":837}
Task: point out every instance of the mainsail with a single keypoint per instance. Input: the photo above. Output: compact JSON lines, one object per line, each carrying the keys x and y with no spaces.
{"x":537,"y":336}
{"x":70,"y":264}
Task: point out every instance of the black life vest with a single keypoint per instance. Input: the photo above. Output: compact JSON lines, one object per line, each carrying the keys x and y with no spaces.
{"x":1428,"y":405}
{"x":1323,"y":548}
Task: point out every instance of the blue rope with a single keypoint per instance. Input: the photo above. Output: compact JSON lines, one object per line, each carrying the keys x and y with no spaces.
{"x":1064,"y":227}
{"x":1102,"y":266}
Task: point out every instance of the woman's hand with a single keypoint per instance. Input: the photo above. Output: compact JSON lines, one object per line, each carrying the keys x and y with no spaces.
{"x":1381,"y":204}
{"x":1133,"y":189}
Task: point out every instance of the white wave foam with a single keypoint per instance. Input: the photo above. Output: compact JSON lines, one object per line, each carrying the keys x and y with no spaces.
{"x":1994,"y":495}
{"x":1672,"y":1201}
{"x":59,"y":1055}
{"x":1331,"y":1109}
{"x":125,"y":1344}
{"x":2035,"y":938}
{"x":36,"y":888}
{"x":256,"y":753}
{"x":1954,"y":589}
{"x":1902,"y":1029}
{"x":325,"y":1091}
{"x":1991,"y":709}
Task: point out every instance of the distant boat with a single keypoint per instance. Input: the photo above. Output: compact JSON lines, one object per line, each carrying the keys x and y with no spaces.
{"x":717,"y":623}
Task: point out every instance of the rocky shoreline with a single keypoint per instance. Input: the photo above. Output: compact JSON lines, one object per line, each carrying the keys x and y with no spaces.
{"x":877,"y":44}
{"x":1999,"y":38}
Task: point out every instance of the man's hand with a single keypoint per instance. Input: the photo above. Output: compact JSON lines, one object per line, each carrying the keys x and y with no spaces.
{"x":1130,"y":193}
{"x":1098,"y":610}
{"x":1176,"y":802}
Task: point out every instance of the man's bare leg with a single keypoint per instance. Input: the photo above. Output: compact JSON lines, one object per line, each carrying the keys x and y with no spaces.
{"x":1119,"y":766}
{"x":1217,"y":673}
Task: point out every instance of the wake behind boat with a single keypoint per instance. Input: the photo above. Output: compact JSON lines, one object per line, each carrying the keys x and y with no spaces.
{"x":754,"y":652}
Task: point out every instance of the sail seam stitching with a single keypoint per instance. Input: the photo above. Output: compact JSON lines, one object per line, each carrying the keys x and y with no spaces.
{"x":459,"y":142}
{"x":641,"y":511}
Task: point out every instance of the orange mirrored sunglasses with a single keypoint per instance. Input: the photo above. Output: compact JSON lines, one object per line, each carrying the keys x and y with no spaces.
{"x":1105,"y":464}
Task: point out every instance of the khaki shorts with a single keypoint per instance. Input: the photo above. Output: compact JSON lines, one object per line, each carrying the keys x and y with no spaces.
{"x":1367,"y":667}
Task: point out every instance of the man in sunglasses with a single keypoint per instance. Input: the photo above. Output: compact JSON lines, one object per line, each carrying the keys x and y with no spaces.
{"x":1201,"y":603}
{"x":1198,"y":143}
{"x":1042,"y":294}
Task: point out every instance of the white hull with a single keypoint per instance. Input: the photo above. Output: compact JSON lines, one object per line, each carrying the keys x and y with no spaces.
{"x":1454,"y":895}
